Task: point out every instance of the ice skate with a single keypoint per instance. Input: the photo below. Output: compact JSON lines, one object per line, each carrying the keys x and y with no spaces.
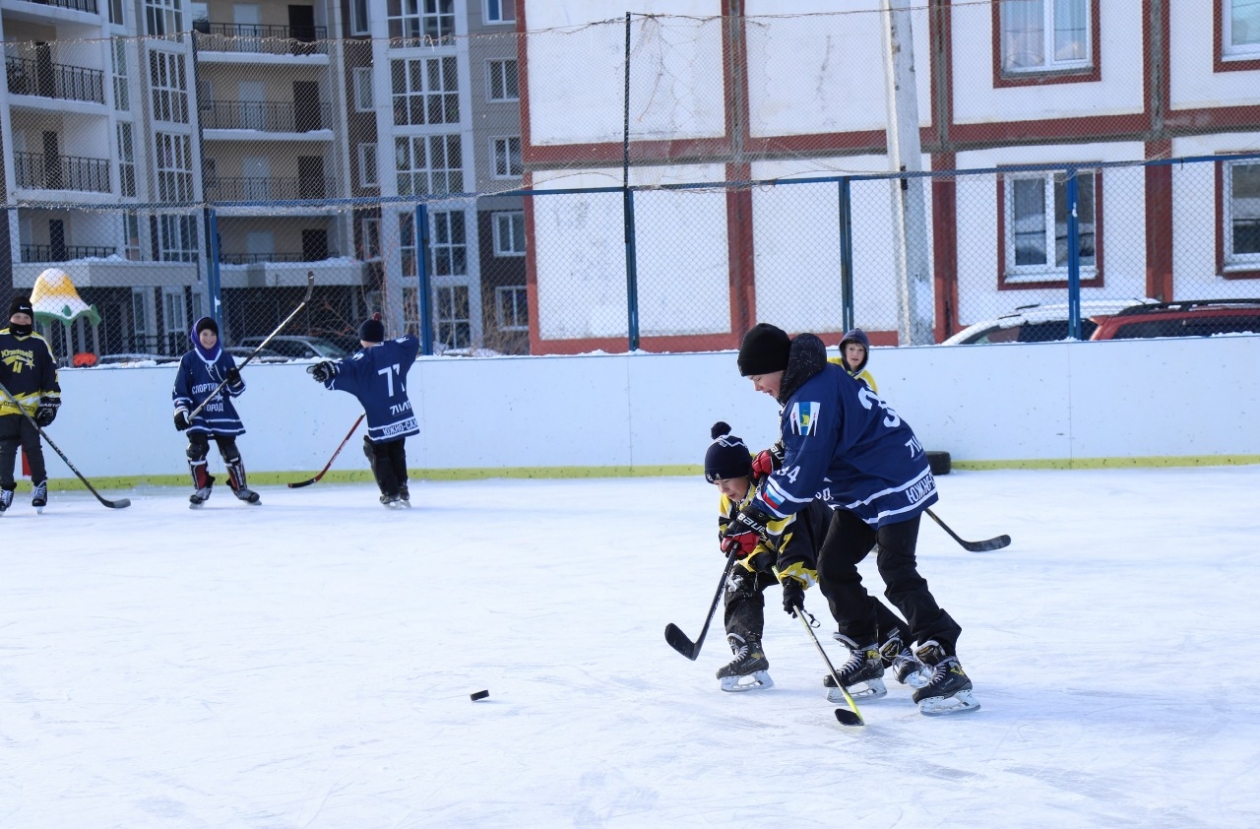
{"x":748,"y":671}
{"x":6,"y":500}
{"x":240,"y":487}
{"x":405,"y":496}
{"x":862,"y":675}
{"x":393,"y":502}
{"x":39,"y":496}
{"x":949,"y":691}
{"x":202,"y":493}
{"x":904,"y":664}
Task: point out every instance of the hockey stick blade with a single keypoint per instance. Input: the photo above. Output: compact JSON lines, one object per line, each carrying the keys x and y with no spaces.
{"x":850,"y":716}
{"x":988,"y":545}
{"x":328,"y":465}
{"x":679,"y":641}
{"x":300,"y":484}
{"x":674,"y":635}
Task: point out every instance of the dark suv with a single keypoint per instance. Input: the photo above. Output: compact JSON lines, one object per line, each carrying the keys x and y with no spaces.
{"x":1187,"y":318}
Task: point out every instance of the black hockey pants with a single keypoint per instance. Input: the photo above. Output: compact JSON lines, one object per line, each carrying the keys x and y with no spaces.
{"x":744,"y":601}
{"x":848,"y":541}
{"x":15,"y":429}
{"x":389,"y":464}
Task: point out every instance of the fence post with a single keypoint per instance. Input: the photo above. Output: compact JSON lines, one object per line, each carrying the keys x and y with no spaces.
{"x":846,"y":254}
{"x":1074,"y":255}
{"x":212,"y":270}
{"x":632,"y":273}
{"x":422,"y":278}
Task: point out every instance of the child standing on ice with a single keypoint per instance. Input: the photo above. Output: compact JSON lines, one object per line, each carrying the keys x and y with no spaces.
{"x":201,"y":372}
{"x":377,"y":376}
{"x":855,"y":351}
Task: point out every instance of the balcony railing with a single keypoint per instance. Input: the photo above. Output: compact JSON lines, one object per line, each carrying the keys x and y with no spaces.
{"x":270,"y":189}
{"x":259,"y":39}
{"x":55,"y":80}
{"x":255,"y":258}
{"x":265,"y":116}
{"x":62,"y":172}
{"x":64,"y":253}
{"x":88,"y":6}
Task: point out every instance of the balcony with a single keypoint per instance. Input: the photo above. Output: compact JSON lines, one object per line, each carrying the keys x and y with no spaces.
{"x":258,"y":258}
{"x":54,"y":80}
{"x":265,"y":116}
{"x":88,"y":6}
{"x":256,"y":39}
{"x":61,"y":172}
{"x":269,"y":189}
{"x":65,"y":253}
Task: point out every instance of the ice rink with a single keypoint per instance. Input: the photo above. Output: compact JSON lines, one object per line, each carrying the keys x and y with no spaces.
{"x":308,"y":663}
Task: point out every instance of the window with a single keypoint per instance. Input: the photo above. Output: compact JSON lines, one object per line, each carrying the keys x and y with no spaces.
{"x":126,"y":160}
{"x":174,"y":167}
{"x":177,"y":239}
{"x":1035,"y":227}
{"x":1045,"y":35}
{"x":500,"y":11}
{"x":1240,"y":205}
{"x":509,"y":233}
{"x":1239,"y":29}
{"x":140,"y":317}
{"x":421,"y":23}
{"x":169,"y":87}
{"x":371,"y":239}
{"x":368,"y":176}
{"x":427,"y":164}
{"x":506,"y":157}
{"x":512,"y":305}
{"x":131,"y":244}
{"x":163,"y":17}
{"x":359,"y":22}
{"x":503,"y":81}
{"x":448,"y":247}
{"x":363,"y":89}
{"x":407,"y":242}
{"x":425,"y":91}
{"x":116,"y":12}
{"x":454,"y":323}
{"x":118,"y":59}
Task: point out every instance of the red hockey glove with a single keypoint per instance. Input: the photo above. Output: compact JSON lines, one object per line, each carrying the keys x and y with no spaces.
{"x":767,"y":461}
{"x":746,"y":530}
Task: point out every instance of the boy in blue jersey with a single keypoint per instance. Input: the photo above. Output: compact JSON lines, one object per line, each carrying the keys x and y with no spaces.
{"x":29,"y":372}
{"x":377,"y":376}
{"x":201,"y":371}
{"x":845,"y":446}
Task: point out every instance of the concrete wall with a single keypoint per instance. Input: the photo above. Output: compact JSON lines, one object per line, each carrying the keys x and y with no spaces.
{"x":1181,"y":401}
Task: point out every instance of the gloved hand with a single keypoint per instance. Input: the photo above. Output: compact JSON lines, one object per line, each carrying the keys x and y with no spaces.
{"x":746,"y":530}
{"x":46,"y":412}
{"x":793,"y":596}
{"x":181,"y":419}
{"x":323,"y":372}
{"x":234,"y":376}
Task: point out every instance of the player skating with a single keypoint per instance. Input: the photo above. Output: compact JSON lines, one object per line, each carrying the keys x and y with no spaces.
{"x":845,"y":445}
{"x":201,"y":371}
{"x":29,"y":372}
{"x":377,"y":376}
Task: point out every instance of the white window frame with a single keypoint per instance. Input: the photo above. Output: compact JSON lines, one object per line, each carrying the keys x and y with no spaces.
{"x":497,"y":70}
{"x":364,"y":100}
{"x":126,"y":160}
{"x":1049,"y":62}
{"x":122,"y":84}
{"x":169,"y":87}
{"x":173,"y":154}
{"x":369,"y":171}
{"x":414,"y":26}
{"x":371,"y":230}
{"x":1234,"y":260}
{"x":178,"y":238}
{"x":512,"y":217}
{"x":1230,"y":50}
{"x":446,"y":294}
{"x":360,"y":17}
{"x":407,"y":243}
{"x":403,"y":94}
{"x":520,"y":307}
{"x":497,"y":11}
{"x":444,"y":244}
{"x":415,"y":178}
{"x":163,"y":17}
{"x":501,"y":157}
{"x":1051,"y":270}
{"x":132,"y":250}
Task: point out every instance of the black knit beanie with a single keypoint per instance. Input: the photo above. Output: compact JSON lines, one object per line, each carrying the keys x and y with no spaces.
{"x":206,"y":323}
{"x":728,"y":456}
{"x":21,"y":304}
{"x":764,"y":350}
{"x":372,"y":331}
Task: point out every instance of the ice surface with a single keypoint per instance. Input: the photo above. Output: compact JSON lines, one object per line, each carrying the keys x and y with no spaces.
{"x":308,"y":663}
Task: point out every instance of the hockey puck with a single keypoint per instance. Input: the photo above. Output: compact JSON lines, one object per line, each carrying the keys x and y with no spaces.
{"x":478,"y":695}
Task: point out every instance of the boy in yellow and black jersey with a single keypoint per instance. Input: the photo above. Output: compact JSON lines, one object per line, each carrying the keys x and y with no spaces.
{"x":28,"y":371}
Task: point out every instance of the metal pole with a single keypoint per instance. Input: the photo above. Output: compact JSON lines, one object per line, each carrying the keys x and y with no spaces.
{"x":846,"y":255}
{"x":423,"y":287}
{"x":627,"y":211}
{"x":213,"y":285}
{"x":1074,"y":255}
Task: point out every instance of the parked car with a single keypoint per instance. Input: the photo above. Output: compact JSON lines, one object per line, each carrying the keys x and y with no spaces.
{"x":1042,"y":323}
{"x":134,"y":359}
{"x":1186,"y":318}
{"x":240,"y":352}
{"x":298,"y":347}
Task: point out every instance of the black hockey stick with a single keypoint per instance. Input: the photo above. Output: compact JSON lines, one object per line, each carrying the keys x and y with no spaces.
{"x":310,"y":288}
{"x":119,"y":504}
{"x":310,"y":481}
{"x":989,"y":544}
{"x":674,"y":635}
{"x":852,"y":716}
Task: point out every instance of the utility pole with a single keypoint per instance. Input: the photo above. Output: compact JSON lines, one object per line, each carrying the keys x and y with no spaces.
{"x":915,"y":310}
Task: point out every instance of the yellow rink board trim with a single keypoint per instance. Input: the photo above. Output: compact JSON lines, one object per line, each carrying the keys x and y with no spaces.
{"x":648,"y":471}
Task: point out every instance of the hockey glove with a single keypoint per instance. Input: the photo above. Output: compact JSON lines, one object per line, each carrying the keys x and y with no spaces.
{"x":323,"y":372}
{"x":745,"y":532}
{"x":46,"y":412}
{"x":234,"y":376}
{"x":767,"y":461}
{"x":181,"y":419}
{"x":793,"y":595}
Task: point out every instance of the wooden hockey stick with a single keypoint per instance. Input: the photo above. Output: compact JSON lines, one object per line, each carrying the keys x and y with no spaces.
{"x":346,"y":440}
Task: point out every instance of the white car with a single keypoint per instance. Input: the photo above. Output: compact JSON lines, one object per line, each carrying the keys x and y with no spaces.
{"x":1041,"y":323}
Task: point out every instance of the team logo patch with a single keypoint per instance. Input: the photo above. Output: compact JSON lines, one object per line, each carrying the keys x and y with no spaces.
{"x":803,"y":419}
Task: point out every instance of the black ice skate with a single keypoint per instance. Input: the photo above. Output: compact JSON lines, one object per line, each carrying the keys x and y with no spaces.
{"x":39,"y":496}
{"x":748,"y":670}
{"x":202,"y":493}
{"x":240,"y":488}
{"x":404,"y":495}
{"x":394,"y":502}
{"x":862,"y":675}
{"x":949,"y":691}
{"x":6,"y":500}
{"x":904,"y":664}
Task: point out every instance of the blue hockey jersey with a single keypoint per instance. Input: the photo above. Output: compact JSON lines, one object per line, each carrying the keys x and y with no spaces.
{"x":844,"y":446}
{"x":197,"y":378}
{"x":378,"y":377}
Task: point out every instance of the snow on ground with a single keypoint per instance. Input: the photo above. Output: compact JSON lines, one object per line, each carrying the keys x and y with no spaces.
{"x":308,"y":663}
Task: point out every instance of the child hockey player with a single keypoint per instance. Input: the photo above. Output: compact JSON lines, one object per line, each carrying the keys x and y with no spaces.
{"x":855,"y":350}
{"x":29,"y":372}
{"x":377,"y":375}
{"x":845,"y":444}
{"x":201,"y":371}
